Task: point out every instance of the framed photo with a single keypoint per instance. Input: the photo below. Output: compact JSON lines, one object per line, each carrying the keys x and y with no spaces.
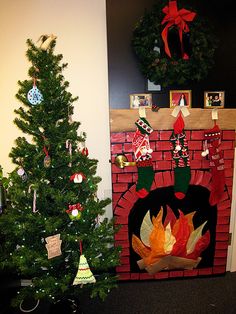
{"x":180,"y":98}
{"x":214,"y":99}
{"x":140,"y":100}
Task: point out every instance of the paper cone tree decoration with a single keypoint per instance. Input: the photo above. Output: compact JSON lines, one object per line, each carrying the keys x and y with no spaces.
{"x":84,"y":274}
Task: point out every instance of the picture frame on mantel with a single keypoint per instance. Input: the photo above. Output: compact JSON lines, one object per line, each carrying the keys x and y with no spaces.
{"x":140,"y":100}
{"x":180,"y":98}
{"x":214,"y":99}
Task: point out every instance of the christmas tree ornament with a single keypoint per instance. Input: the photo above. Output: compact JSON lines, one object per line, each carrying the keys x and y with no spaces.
{"x":69,"y":147}
{"x":53,"y":246}
{"x":84,"y":274}
{"x":46,"y":40}
{"x":34,"y":197}
{"x":21,"y":172}
{"x":211,"y":144}
{"x":180,"y":155}
{"x":84,"y":151}
{"x":82,"y":148}
{"x":97,"y":222}
{"x":78,"y":177}
{"x":34,"y":95}
{"x":142,"y":152}
{"x":47,"y":161}
{"x":47,"y":158}
{"x":74,"y":211}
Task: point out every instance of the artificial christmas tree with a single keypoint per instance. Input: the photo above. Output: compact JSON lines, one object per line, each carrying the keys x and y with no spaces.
{"x":41,"y":191}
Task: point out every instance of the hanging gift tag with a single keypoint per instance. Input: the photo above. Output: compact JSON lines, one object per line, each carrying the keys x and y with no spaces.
{"x":53,"y":246}
{"x":214,"y":114}
{"x":142,"y":112}
{"x":47,"y":161}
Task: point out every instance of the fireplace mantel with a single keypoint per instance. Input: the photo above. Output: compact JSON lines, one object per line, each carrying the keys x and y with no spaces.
{"x":129,"y":210}
{"x":122,"y":120}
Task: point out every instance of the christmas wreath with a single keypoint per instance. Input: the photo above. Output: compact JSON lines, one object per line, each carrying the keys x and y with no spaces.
{"x":173,"y":44}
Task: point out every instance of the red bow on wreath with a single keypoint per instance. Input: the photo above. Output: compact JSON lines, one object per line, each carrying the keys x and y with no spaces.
{"x":179,"y":18}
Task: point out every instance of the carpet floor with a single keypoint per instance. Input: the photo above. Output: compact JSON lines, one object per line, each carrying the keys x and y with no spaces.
{"x":175,"y":296}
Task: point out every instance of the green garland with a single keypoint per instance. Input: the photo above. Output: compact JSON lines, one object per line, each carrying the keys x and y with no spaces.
{"x":157,"y":66}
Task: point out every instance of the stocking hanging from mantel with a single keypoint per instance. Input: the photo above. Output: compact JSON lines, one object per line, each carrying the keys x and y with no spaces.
{"x":142,"y":152}
{"x":211,"y":145}
{"x":180,"y":156}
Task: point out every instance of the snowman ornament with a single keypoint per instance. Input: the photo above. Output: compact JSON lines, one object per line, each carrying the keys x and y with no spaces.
{"x":77,"y":177}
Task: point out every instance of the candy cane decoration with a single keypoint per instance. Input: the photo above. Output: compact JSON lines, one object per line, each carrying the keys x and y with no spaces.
{"x":34,"y":198}
{"x":69,"y":147}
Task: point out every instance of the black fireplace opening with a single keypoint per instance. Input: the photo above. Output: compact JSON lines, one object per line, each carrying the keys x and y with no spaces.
{"x":195,"y":204}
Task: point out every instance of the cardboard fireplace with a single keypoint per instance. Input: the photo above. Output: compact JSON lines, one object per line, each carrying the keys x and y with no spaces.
{"x":163,"y":236}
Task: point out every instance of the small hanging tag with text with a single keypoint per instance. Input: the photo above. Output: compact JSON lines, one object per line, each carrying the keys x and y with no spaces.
{"x":53,"y":246}
{"x":214,"y":114}
{"x":142,"y":112}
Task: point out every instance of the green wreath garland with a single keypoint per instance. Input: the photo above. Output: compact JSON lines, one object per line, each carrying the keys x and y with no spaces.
{"x":156,"y":65}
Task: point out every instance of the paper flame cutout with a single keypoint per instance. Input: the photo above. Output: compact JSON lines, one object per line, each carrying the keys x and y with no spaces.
{"x":170,"y":245}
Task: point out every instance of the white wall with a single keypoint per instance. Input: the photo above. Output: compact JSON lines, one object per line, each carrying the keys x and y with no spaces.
{"x":80,"y":26}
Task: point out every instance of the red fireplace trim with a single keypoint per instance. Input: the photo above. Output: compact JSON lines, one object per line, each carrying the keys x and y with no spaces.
{"x":124,"y":195}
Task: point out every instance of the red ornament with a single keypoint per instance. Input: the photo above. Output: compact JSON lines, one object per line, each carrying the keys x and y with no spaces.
{"x":77,"y":177}
{"x":85,"y":151}
{"x":77,"y":206}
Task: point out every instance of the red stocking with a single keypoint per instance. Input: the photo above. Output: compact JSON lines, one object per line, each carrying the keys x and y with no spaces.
{"x":212,"y":146}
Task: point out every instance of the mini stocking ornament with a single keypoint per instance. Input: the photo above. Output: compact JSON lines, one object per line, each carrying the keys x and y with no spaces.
{"x":212,"y":147}
{"x":180,"y":155}
{"x":143,"y":157}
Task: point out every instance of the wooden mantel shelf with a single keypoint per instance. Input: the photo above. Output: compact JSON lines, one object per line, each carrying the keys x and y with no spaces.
{"x":122,"y":120}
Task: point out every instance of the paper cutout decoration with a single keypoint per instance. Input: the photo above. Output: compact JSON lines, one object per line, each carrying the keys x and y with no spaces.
{"x":84,"y":274}
{"x":53,"y":245}
{"x":170,"y":245}
{"x":146,"y":229}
